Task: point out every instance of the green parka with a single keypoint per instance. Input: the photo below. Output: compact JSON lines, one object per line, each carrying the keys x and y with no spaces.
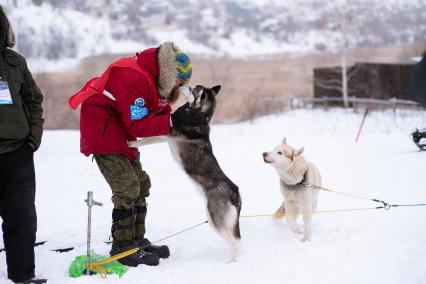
{"x":22,"y":121}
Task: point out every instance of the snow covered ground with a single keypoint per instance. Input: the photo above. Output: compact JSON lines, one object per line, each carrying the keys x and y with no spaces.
{"x":355,"y":247}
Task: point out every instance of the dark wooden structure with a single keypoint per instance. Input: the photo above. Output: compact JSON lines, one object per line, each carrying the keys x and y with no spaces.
{"x":365,"y":80}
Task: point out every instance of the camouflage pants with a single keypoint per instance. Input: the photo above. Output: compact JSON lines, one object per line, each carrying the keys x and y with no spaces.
{"x":129,"y":183}
{"x":130,"y":186}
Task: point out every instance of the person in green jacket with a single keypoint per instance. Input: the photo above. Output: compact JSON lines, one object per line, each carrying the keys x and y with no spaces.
{"x":21,"y":127}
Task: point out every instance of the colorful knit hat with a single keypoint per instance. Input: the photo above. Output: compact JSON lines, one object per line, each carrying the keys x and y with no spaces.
{"x":184,"y":66}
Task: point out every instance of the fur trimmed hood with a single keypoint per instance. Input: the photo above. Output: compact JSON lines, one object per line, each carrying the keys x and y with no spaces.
{"x":167,"y":64}
{"x":161,"y":63}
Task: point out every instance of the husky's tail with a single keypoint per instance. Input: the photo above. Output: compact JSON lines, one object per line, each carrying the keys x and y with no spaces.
{"x":280,"y":213}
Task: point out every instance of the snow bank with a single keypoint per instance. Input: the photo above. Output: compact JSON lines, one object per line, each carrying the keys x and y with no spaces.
{"x":356,"y":247}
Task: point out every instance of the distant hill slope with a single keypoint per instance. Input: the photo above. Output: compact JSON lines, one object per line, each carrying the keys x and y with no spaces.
{"x":54,"y":29}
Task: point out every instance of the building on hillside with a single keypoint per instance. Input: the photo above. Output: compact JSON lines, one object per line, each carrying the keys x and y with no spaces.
{"x":365,"y":80}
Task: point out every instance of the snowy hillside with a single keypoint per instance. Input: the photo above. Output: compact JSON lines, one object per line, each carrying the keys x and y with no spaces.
{"x":52,"y":29}
{"x":354,"y":247}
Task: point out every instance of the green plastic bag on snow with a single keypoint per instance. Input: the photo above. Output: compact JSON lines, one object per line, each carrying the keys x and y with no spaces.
{"x":78,"y":266}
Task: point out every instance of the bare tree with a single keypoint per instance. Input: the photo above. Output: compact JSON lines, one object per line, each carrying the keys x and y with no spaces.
{"x":419,"y":29}
{"x":338,"y":80}
{"x":347,"y":20}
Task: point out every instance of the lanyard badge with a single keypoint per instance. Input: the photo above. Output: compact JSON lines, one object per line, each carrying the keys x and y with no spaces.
{"x":5,"y":97}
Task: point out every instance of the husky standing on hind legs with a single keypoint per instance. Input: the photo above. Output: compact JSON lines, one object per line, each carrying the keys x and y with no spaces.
{"x":192,"y":149}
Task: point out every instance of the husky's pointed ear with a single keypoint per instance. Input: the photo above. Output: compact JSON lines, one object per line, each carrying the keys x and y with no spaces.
{"x":299,"y":151}
{"x":216,"y":89}
{"x":284,"y":141}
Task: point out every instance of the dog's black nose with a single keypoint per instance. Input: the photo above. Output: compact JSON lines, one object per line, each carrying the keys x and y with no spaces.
{"x":264,"y":155}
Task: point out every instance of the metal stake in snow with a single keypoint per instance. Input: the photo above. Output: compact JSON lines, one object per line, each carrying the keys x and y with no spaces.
{"x":90,"y":202}
{"x":362,"y":123}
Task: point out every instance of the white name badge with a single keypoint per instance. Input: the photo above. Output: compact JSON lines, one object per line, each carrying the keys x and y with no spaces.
{"x":5,"y":97}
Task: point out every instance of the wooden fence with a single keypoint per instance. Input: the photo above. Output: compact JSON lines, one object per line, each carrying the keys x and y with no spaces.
{"x":294,"y":102}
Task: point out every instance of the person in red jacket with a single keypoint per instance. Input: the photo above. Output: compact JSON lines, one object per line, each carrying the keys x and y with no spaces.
{"x":132,"y":99}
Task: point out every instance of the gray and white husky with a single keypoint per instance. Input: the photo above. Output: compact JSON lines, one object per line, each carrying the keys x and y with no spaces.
{"x":192,"y":149}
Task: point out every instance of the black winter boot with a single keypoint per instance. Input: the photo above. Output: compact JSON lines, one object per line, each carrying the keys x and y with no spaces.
{"x":162,"y":251}
{"x":139,"y":257}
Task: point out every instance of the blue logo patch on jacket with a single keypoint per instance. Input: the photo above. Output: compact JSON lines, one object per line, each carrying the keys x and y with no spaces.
{"x":137,"y":110}
{"x":139,"y":102}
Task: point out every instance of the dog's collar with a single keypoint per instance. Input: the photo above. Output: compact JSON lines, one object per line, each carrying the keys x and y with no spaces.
{"x":296,"y":185}
{"x":305,"y":176}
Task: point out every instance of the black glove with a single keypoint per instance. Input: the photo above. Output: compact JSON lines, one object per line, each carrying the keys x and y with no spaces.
{"x":185,"y":116}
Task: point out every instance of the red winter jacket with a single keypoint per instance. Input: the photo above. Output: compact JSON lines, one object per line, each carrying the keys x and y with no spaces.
{"x":106,"y":125}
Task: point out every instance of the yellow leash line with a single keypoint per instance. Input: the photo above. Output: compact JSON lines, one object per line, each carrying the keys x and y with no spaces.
{"x":317,"y":212}
{"x":341,"y":193}
{"x":102,"y":271}
{"x":96,"y":266}
{"x":115,"y":257}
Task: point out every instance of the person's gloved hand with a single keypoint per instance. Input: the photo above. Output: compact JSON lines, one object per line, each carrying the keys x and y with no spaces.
{"x":185,"y":116}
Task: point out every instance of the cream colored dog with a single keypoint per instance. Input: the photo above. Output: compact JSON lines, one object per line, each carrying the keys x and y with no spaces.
{"x":296,"y":174}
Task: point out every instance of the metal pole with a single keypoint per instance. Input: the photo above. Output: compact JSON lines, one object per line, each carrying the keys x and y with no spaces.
{"x":89,"y":225}
{"x":90,"y":202}
{"x":362,"y":123}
